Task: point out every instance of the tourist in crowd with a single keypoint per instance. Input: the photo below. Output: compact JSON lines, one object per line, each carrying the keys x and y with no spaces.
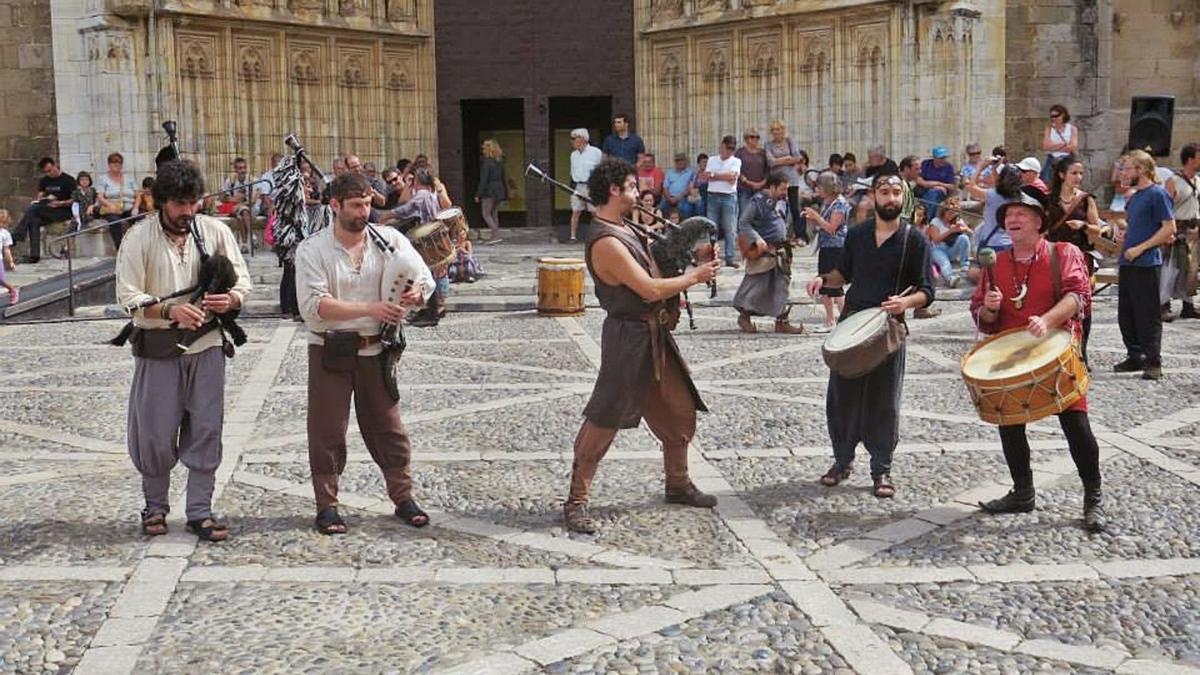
{"x":851,"y":171}
{"x":989,"y":234}
{"x":673,"y":216}
{"x":493,"y":187}
{"x":1059,"y":139}
{"x":648,"y":213}
{"x":835,"y":165}
{"x":1183,"y":190}
{"x":677,"y":185}
{"x":1150,"y":214}
{"x":263,"y":207}
{"x":698,"y":196}
{"x":379,"y":189}
{"x":6,"y":258}
{"x":950,"y":241}
{"x":649,"y":176}
{"x":936,"y":179}
{"x":722,"y":173}
{"x":831,"y":223}
{"x":83,"y":200}
{"x":622,"y":142}
{"x":143,"y":200}
{"x":584,"y":158}
{"x":1073,"y":217}
{"x":1121,"y":191}
{"x":972,"y":166}
{"x":987,"y":176}
{"x":755,"y":166}
{"x":115,"y":192}
{"x":910,"y":171}
{"x":878,"y":162}
{"x":787,"y":158}
{"x":51,"y":204}
{"x":1031,"y":170}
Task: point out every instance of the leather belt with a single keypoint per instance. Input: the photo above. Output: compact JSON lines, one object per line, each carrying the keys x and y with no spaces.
{"x":656,"y":318}
{"x":364,"y":341}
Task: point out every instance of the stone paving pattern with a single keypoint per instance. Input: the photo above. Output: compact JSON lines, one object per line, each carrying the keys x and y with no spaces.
{"x":785,"y":576}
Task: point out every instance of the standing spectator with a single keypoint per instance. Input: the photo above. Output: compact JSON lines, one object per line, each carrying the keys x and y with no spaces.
{"x":493,"y":187}
{"x":1121,"y":191}
{"x":115,"y":192}
{"x":622,"y":142}
{"x":649,"y":176}
{"x":722,"y":173}
{"x":700,"y":189}
{"x":266,"y":186}
{"x":755,"y":166}
{"x":1150,"y":215}
{"x":678,"y":185}
{"x":1072,"y":214}
{"x":878,"y":162}
{"x":1059,"y":139}
{"x":972,"y":166}
{"x":6,"y":257}
{"x":788,"y":159}
{"x":51,"y":204}
{"x":831,"y":223}
{"x":584,"y":158}
{"x":1183,"y":190}
{"x":936,"y":180}
{"x":910,"y":171}
{"x":950,"y":242}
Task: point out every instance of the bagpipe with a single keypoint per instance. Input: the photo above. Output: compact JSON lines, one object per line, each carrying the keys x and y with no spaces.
{"x":690,"y":242}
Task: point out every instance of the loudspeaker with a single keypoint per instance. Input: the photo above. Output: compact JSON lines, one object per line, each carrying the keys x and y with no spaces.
{"x":1150,"y":122}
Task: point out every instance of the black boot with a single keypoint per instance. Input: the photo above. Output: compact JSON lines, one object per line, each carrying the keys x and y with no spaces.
{"x":1094,"y":519}
{"x":1018,"y":500}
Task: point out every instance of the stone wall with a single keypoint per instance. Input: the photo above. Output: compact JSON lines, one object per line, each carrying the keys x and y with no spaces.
{"x":28,"y":128}
{"x":1092,"y":56}
{"x":843,"y":75}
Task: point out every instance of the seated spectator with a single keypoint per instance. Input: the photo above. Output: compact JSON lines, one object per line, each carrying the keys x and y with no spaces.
{"x":646,"y":216}
{"x":143,"y":202}
{"x":263,"y":206}
{"x":51,"y":204}
{"x":879,"y":162}
{"x":83,"y":200}
{"x":673,"y":215}
{"x":677,"y":185}
{"x":850,"y":170}
{"x":238,"y":196}
{"x":972,"y":166}
{"x":950,"y":237}
{"x":1031,"y":170}
{"x":698,"y":196}
{"x":836,"y":163}
{"x":650,"y":177}
{"x":987,"y":175}
{"x":937,"y":179}
{"x":465,"y":267}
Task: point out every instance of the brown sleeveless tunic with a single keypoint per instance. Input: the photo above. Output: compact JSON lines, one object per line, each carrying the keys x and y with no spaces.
{"x":634,"y":342}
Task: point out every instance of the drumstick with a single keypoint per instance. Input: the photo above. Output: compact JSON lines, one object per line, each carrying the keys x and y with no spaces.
{"x":903,"y":293}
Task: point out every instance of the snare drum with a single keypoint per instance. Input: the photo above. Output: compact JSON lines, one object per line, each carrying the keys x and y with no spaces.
{"x":432,"y":241}
{"x":455,"y":222}
{"x":560,"y":286}
{"x":1015,"y":378}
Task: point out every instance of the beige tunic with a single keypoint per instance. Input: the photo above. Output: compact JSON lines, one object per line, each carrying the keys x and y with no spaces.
{"x":149,"y":265}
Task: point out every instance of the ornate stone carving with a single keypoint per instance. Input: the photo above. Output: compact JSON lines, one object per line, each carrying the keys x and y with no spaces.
{"x":399,"y":67}
{"x":252,"y":64}
{"x":112,"y":52}
{"x":716,"y":66}
{"x":671,"y":73}
{"x":308,"y":5}
{"x":401,"y":10}
{"x":355,"y":70}
{"x":764,"y":57}
{"x":305,"y":67}
{"x":196,"y":57}
{"x":713,"y":5}
{"x":665,"y":10}
{"x":354,"y":7}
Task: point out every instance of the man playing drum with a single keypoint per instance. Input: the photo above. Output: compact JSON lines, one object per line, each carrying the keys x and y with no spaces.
{"x":880,"y":257}
{"x":339,"y":274}
{"x":762,"y":232}
{"x":1023,"y":289}
{"x":642,"y":373}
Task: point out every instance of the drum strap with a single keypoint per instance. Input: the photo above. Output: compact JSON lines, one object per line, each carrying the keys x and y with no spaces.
{"x":1055,"y":273}
{"x":903,"y":256}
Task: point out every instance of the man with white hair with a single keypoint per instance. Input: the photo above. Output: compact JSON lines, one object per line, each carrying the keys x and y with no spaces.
{"x":584,"y":158}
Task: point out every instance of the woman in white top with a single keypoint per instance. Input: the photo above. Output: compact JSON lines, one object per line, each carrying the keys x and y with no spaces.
{"x":115,"y":192}
{"x":1061,"y":138}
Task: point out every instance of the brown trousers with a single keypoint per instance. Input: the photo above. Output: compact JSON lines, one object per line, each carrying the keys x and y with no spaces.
{"x":669,"y":411}
{"x":378,"y":420}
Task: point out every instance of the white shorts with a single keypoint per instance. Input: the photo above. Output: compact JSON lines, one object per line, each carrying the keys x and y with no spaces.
{"x":578,"y":204}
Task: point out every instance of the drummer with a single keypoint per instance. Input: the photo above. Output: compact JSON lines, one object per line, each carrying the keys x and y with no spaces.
{"x":1023,"y":289}
{"x":423,"y":207}
{"x":880,"y":257}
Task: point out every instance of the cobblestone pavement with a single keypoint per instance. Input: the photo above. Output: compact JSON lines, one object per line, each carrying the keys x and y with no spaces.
{"x":785,"y":576}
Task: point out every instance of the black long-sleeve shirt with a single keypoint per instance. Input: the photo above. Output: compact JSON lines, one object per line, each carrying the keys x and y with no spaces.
{"x":872,"y":272}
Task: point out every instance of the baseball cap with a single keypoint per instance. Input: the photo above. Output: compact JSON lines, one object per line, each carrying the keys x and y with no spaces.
{"x":940,"y":152}
{"x":1030,"y":164}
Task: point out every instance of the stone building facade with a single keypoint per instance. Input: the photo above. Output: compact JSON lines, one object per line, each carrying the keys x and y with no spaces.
{"x":28,"y":124}
{"x":239,"y":75}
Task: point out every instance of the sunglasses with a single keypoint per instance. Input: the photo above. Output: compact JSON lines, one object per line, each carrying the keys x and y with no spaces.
{"x":754,"y":136}
{"x":974,"y":154}
{"x":1055,"y":116}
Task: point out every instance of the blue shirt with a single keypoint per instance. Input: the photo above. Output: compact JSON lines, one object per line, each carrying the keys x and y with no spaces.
{"x":763,"y":218}
{"x":626,"y":148}
{"x":1144,"y":212}
{"x":677,"y":182}
{"x":990,"y":234}
{"x":942,"y":174}
{"x":838,"y":238}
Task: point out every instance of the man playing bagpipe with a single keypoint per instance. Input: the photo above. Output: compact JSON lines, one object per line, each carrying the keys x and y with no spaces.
{"x":176,"y":402}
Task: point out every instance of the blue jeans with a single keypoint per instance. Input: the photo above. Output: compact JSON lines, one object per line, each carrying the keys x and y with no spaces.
{"x":943,"y":254}
{"x":723,"y":210}
{"x":932,"y":197}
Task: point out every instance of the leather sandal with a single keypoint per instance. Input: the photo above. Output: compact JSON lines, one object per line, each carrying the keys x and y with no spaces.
{"x":154,"y":524}
{"x":884,"y":489}
{"x":690,"y":495}
{"x":208,"y":529}
{"x":577,"y":519}
{"x":836,"y":474}
{"x":411,"y":513}
{"x":787,"y":328}
{"x":745,"y":324}
{"x":330,"y":522}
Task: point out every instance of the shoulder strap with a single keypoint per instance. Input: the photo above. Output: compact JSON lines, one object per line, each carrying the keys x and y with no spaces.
{"x":903,"y":256}
{"x":1066,"y":214}
{"x":1055,"y":272}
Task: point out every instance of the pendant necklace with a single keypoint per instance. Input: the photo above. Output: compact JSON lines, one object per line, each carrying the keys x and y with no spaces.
{"x":1018,"y":300}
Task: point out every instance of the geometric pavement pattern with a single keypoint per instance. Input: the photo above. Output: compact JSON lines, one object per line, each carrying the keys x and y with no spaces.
{"x":785,"y":575}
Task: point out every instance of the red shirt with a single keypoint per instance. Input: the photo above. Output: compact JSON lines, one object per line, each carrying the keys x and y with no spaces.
{"x":1039,"y":297}
{"x":651,"y":179}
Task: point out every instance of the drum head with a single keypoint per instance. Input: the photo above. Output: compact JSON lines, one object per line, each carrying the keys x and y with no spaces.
{"x":425,"y":229}
{"x":855,"y":329}
{"x":555,"y":262}
{"x":449,"y":214}
{"x":1014,"y":354}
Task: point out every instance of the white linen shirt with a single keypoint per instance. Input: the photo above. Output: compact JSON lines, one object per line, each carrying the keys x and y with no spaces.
{"x":717,"y":165}
{"x":324,"y":270}
{"x":583,"y":161}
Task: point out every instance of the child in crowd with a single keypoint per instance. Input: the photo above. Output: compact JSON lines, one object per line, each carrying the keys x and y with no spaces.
{"x":6,"y":243}
{"x":144,"y":201}
{"x":83,"y":200}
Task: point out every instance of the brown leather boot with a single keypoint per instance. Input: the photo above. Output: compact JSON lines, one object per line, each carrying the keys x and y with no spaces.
{"x":691,"y":496}
{"x":746,"y":324}
{"x":782,"y":325}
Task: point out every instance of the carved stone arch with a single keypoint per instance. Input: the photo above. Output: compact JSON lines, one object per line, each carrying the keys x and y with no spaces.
{"x":717,"y":66}
{"x":355,"y":71}
{"x":252,"y":65}
{"x":765,"y":59}
{"x":665,"y":9}
{"x":399,"y":79}
{"x":195,"y":61}
{"x":306,"y":67}
{"x":943,"y":31}
{"x":671,"y":72}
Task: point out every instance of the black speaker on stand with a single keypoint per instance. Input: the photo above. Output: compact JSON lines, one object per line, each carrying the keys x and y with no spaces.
{"x":1150,"y":122}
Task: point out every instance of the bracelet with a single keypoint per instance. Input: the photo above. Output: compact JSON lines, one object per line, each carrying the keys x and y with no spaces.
{"x":164,"y":311}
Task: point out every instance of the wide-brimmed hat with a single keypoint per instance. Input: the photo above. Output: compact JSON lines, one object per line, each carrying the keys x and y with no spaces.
{"x":1029,"y":199}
